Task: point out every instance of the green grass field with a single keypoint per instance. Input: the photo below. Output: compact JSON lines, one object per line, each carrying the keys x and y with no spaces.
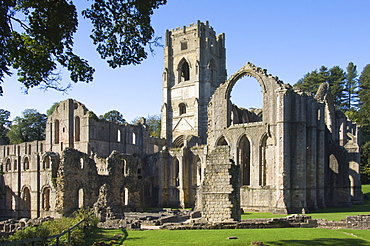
{"x":281,"y":236}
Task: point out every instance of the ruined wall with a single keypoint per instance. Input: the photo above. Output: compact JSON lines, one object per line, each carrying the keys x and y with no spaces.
{"x":221,"y":189}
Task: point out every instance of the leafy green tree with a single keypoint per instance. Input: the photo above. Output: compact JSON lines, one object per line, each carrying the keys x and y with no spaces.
{"x":364,"y":95}
{"x":29,"y":127}
{"x":335,"y":76}
{"x":365,"y":163}
{"x":154,"y":125}
{"x":36,"y":38}
{"x":113,"y":116}
{"x":52,"y":109}
{"x":4,"y":126}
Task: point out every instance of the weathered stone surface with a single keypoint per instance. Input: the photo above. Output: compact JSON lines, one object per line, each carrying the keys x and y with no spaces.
{"x":295,"y":153}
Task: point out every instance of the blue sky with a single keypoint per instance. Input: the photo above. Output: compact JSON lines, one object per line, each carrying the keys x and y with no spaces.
{"x":288,"y":38}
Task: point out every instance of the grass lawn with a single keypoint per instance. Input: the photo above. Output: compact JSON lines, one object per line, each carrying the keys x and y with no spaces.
{"x":327,"y":213}
{"x":280,"y":236}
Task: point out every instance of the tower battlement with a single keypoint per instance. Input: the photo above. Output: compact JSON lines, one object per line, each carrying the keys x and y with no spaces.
{"x":202,"y":29}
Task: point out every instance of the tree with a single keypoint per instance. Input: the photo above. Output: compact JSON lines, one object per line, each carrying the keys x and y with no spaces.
{"x":351,"y":86}
{"x":36,"y":38}
{"x":52,"y":109}
{"x":113,"y":116}
{"x":154,"y":125}
{"x":335,"y":76}
{"x":29,"y":127}
{"x":4,"y":126}
{"x":364,"y":95}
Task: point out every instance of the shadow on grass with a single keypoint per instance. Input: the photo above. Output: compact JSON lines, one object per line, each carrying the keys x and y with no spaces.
{"x":356,"y":208}
{"x":321,"y":241}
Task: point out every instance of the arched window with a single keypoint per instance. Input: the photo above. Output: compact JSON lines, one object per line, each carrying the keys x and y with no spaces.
{"x":182,"y":108}
{"x":244,"y":153}
{"x":124,"y":168}
{"x":46,"y":199}
{"x":175,"y":172}
{"x":124,"y":195}
{"x":134,"y":140}
{"x":212,"y":72}
{"x":267,"y":165}
{"x":80,"y":196}
{"x":56,"y":131}
{"x":46,"y":162}
{"x":184,"y":71}
{"x":26,"y":197}
{"x":26,"y":164}
{"x":198,"y":171}
{"x":333,"y":164}
{"x":15,"y":165}
{"x":221,"y":141}
{"x":119,"y":136}
{"x":8,"y":166}
{"x":77,"y":128}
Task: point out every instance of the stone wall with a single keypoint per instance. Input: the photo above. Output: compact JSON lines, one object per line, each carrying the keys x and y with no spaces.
{"x":220,"y":189}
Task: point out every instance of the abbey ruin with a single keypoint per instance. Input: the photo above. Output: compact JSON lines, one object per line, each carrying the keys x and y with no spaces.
{"x":295,"y":153}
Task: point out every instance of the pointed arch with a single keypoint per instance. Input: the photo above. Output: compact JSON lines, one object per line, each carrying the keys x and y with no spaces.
{"x":183,"y":70}
{"x":26,"y":201}
{"x":267,"y":160}
{"x":244,"y":160}
{"x":26,"y":163}
{"x":77,"y":128}
{"x":46,"y":192}
{"x":56,"y":131}
{"x":175,"y":172}
{"x":212,"y":72}
{"x":221,"y":141}
{"x":80,"y":197}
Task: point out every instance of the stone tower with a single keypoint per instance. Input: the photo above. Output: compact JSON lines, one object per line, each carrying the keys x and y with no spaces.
{"x":194,"y":66}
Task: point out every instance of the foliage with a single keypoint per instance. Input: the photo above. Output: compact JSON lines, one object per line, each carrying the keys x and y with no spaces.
{"x":36,"y":38}
{"x":4,"y":126}
{"x":55,"y":227}
{"x":335,"y":76}
{"x":28,"y":127}
{"x":364,"y":95}
{"x":92,"y":115}
{"x":121,"y":29}
{"x":51,"y":110}
{"x":113,"y":116}
{"x":365,"y":163}
{"x":351,"y":88}
{"x":154,"y":125}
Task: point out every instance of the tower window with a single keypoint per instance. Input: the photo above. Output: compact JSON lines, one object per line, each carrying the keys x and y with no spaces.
{"x":182,"y":108}
{"x":184,"y":45}
{"x":185,"y":73}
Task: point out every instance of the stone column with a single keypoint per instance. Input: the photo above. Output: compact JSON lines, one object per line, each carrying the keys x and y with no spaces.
{"x":311,"y":154}
{"x":282,"y":152}
{"x":298,"y":154}
{"x":320,"y":194}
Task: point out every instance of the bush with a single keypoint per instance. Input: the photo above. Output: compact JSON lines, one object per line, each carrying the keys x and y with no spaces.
{"x":54,"y":227}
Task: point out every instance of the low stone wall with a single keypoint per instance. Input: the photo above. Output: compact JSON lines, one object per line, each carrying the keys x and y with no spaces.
{"x":302,"y":221}
{"x":10,"y":226}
